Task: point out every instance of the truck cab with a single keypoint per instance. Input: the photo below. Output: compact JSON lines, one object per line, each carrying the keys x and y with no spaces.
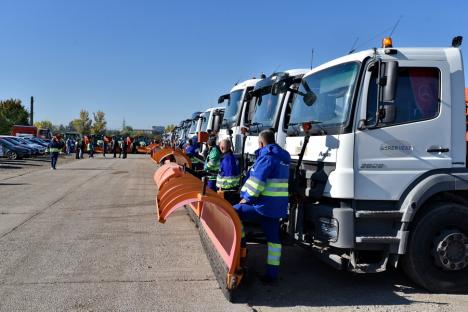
{"x":211,"y":120}
{"x":195,"y":125}
{"x":237,"y":114}
{"x":272,"y":107}
{"x":378,"y":175}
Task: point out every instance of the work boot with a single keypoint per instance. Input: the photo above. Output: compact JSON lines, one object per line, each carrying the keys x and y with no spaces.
{"x":267,"y":280}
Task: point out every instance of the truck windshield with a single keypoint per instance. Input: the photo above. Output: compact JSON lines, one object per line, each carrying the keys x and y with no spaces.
{"x":193,"y":126}
{"x":265,"y":111}
{"x":333,"y":88}
{"x":204,"y":125}
{"x":232,"y":109}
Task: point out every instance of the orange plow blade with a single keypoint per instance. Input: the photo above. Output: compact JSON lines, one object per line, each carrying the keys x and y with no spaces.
{"x":218,"y":222}
{"x":168,"y":154}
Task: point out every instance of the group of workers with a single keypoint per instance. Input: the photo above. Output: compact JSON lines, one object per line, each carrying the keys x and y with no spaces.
{"x":115,"y":146}
{"x":263,"y":197}
{"x":79,"y":146}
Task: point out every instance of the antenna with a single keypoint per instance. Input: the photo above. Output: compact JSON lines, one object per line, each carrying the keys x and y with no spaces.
{"x":396,"y":25}
{"x":312,"y":58}
{"x":353,"y":47}
{"x":391,"y":29}
{"x":274,"y":71}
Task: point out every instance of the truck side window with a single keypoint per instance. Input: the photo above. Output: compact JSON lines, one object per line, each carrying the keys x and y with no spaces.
{"x":417,"y":95}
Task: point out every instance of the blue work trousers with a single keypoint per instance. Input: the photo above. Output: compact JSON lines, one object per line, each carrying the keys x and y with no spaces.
{"x":53,"y":159}
{"x":270,"y":227}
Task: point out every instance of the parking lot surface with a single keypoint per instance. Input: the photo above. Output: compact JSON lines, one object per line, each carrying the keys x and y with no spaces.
{"x":85,"y":238}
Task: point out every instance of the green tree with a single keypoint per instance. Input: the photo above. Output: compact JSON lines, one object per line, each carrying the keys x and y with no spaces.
{"x":44,"y":124}
{"x":169,"y":128}
{"x":82,"y":124}
{"x":60,"y":128}
{"x":70,"y":127}
{"x":126,"y":130}
{"x":12,"y":113}
{"x":99,"y":125}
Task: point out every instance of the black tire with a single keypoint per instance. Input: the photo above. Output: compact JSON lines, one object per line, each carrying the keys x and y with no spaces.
{"x":12,"y":155}
{"x":419,"y":262}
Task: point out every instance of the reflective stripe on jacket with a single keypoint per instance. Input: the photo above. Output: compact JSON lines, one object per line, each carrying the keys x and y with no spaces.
{"x":266,"y":186}
{"x":229,"y":173}
{"x":55,"y":146}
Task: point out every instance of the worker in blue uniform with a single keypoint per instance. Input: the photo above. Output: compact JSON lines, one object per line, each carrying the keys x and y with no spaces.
{"x":228,"y":178}
{"x":55,"y":146}
{"x":264,"y":198}
{"x":190,"y":149}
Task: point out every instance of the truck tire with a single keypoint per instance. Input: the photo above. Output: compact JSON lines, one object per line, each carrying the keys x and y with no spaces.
{"x":437,"y":252}
{"x":12,"y":155}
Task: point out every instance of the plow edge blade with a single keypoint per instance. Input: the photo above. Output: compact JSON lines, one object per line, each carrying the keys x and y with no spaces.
{"x":218,"y":224}
{"x":172,"y":155}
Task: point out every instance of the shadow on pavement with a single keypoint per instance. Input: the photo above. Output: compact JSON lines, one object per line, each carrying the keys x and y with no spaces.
{"x":81,"y":169}
{"x":305,"y":281}
{"x":9,"y":167}
{"x":40,"y":160}
{"x":13,"y":184}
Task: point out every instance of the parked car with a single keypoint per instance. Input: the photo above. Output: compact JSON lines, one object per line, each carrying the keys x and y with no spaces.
{"x":13,"y":140}
{"x":37,"y":141}
{"x":41,"y":148}
{"x":12,"y":151}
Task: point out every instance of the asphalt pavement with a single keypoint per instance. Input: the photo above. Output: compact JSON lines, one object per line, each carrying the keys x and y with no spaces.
{"x":85,"y":238}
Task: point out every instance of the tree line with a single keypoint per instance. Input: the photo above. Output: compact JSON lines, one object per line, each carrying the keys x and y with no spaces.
{"x":12,"y":112}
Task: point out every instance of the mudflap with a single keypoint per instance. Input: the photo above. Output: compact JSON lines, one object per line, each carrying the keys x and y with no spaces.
{"x":218,"y":223}
{"x":168,"y":154}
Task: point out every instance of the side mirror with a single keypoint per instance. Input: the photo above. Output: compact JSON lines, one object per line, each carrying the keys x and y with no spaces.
{"x":310,"y":98}
{"x":279,"y":87}
{"x":248,"y":96}
{"x":223,"y":98}
{"x":388,"y":113}
{"x":389,"y":81}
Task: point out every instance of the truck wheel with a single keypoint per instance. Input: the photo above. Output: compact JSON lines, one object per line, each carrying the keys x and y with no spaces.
{"x":12,"y":155}
{"x":437,"y":251}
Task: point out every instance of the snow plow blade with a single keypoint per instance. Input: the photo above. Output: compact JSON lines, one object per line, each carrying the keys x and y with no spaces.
{"x":168,"y":154}
{"x":218,"y":223}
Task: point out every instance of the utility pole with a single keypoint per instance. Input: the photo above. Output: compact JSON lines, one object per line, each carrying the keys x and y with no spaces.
{"x":31,"y":112}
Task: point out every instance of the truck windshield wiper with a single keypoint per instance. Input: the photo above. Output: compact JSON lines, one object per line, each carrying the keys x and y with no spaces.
{"x":322,"y":130}
{"x":257,"y":124}
{"x":294,"y":127}
{"x":312,"y":122}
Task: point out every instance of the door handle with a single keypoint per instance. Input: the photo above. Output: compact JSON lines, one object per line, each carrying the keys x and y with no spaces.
{"x":438,"y":150}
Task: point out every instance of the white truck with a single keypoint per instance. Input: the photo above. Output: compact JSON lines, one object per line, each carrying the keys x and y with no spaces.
{"x":237,"y":114}
{"x":211,"y":121}
{"x":272,"y":108}
{"x":379,"y":173}
{"x":195,"y":125}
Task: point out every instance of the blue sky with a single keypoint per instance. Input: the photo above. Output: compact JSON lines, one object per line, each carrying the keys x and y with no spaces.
{"x":155,"y":62}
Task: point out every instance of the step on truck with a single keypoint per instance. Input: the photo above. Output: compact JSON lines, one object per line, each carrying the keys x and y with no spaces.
{"x":379,"y":176}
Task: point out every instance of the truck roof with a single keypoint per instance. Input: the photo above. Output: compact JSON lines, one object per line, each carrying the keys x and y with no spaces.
{"x":214,"y":108}
{"x":421,"y":54}
{"x":245,"y":84}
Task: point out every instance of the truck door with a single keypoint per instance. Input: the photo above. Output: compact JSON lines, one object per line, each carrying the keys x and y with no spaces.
{"x":388,"y":157}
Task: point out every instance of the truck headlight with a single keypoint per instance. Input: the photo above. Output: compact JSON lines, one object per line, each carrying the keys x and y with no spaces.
{"x":329,"y":228}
